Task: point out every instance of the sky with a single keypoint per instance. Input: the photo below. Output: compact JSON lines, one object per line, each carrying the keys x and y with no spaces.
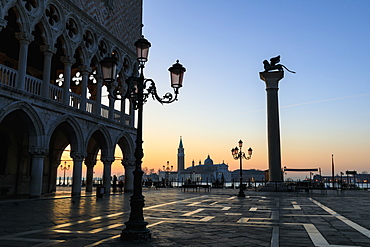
{"x":324,"y":107}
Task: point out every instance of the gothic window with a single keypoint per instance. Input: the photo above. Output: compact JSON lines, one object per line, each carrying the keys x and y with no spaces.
{"x":71,"y":27}
{"x":88,"y":39}
{"x":52,"y":15}
{"x":30,"y":4}
{"x":102,"y":49}
{"x":60,"y":80}
{"x":77,"y":78}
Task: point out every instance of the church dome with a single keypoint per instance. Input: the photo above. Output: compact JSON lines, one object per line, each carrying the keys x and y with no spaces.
{"x":208,"y":161}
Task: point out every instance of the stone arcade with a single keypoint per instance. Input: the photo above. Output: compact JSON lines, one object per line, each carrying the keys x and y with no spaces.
{"x":51,"y":90}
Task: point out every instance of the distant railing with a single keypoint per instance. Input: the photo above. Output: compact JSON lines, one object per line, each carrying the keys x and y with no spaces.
{"x":74,"y":100}
{"x":90,"y":106}
{"x":56,"y":93}
{"x":104,"y":111}
{"x":8,"y":76}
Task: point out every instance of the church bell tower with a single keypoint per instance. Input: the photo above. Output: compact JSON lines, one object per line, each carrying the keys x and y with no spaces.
{"x":180,"y":157}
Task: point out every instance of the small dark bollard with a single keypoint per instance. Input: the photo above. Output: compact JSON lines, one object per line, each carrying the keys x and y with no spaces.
{"x":100,"y":191}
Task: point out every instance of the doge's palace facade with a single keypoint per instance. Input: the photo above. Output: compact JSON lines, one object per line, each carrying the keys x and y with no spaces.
{"x":51,"y":90}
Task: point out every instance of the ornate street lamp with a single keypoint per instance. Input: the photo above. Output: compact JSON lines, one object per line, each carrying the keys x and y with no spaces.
{"x":238,"y":154}
{"x":167,"y":171}
{"x":139,"y":89}
{"x":64,"y":169}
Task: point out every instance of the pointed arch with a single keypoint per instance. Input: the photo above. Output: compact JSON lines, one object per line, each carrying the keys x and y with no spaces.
{"x":36,"y":127}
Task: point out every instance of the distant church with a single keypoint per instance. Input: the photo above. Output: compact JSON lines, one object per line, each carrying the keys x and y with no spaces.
{"x":207,"y":172}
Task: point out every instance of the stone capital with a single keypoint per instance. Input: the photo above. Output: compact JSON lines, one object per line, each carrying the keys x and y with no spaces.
{"x":85,"y":70}
{"x":76,"y":156}
{"x":272,"y":78}
{"x":128,"y":162}
{"x":38,"y":151}
{"x":107,"y":160}
{"x":67,"y":60}
{"x":48,"y":49}
{"x":24,"y":38}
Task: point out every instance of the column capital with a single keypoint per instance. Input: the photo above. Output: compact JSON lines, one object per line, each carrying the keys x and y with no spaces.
{"x":48,"y":49}
{"x":90,"y":163}
{"x":68,"y":60}
{"x":78,"y":156}
{"x":128,"y":162}
{"x":107,"y":160}
{"x":272,"y":78}
{"x":24,"y":37}
{"x":85,"y":69}
{"x":38,"y":151}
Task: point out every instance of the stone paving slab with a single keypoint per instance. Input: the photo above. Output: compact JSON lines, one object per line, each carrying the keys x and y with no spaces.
{"x":176,"y":218}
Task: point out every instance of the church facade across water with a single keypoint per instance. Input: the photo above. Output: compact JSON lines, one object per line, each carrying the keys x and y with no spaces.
{"x":208,"y":172}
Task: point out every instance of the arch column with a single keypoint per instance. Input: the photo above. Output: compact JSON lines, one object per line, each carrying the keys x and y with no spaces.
{"x":107,"y":161}
{"x":24,"y":41}
{"x":111,"y":108}
{"x":77,"y":172}
{"x":68,"y":62}
{"x":85,"y":71}
{"x":37,"y":165}
{"x":89,"y":174}
{"x":129,"y":165}
{"x":99,"y":79}
{"x":48,"y":51}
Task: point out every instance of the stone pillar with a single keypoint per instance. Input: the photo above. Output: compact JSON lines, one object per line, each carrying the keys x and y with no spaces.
{"x":37,"y":167}
{"x":68,"y":62}
{"x":77,"y":172}
{"x":85,"y":71}
{"x":24,"y":41}
{"x":99,"y":79}
{"x":107,"y":161}
{"x":129,"y":165}
{"x":273,"y":129}
{"x":89,"y":174}
{"x":111,"y":108}
{"x":48,"y":54}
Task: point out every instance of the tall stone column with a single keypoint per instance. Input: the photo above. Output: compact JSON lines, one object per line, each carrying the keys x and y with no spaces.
{"x":107,"y":161}
{"x":89,"y":174}
{"x":48,"y":55}
{"x":24,"y":41}
{"x":129,"y":165}
{"x":77,"y":172}
{"x":38,"y":155}
{"x":68,"y":62}
{"x":273,"y":128}
{"x":99,"y":86}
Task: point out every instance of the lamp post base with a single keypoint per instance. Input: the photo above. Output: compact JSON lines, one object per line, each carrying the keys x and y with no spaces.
{"x":134,"y":235}
{"x":241,"y":193}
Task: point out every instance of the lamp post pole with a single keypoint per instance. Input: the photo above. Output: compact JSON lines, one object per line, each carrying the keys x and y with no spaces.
{"x":238,"y":154}
{"x":138,"y":91}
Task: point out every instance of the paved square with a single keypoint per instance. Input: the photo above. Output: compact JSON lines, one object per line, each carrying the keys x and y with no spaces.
{"x":175,"y":218}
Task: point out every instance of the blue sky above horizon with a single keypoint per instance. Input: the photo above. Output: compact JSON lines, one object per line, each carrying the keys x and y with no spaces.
{"x":324,"y":107}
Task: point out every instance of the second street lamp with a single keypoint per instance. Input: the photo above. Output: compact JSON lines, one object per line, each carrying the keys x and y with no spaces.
{"x":238,"y":154}
{"x":139,"y":89}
